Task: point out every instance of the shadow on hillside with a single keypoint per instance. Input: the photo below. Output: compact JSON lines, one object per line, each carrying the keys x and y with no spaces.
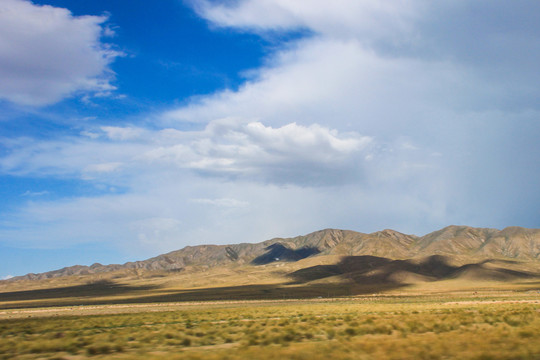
{"x":378,"y":270}
{"x":95,"y":289}
{"x":279,"y":252}
{"x":269,"y":292}
{"x":57,"y":297}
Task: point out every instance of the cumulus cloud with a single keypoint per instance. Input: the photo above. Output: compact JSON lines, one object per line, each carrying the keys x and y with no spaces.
{"x":47,"y":54}
{"x":291,"y":154}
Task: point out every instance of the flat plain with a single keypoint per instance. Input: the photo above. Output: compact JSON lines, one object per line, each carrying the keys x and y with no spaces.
{"x":451,"y":320}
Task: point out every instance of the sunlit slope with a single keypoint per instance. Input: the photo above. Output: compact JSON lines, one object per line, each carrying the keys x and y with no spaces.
{"x":324,"y":276}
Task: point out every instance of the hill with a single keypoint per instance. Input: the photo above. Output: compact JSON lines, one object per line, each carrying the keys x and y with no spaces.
{"x":326,"y":263}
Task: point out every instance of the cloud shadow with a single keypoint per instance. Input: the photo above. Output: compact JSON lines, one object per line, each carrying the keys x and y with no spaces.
{"x":279,"y":252}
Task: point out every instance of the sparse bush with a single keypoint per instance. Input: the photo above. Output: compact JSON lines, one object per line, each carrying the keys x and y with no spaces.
{"x":330,"y":333}
{"x":98,"y":349}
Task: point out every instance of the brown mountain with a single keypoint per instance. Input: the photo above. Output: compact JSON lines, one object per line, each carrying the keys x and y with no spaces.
{"x":463,"y":242}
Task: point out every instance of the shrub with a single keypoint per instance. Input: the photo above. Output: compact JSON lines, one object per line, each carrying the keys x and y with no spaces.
{"x":98,"y":349}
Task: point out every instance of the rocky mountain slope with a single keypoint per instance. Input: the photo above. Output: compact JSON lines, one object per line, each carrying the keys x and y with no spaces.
{"x":457,"y":241}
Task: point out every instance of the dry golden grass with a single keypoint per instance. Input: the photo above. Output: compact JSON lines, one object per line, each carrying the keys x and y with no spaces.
{"x":377,"y":327}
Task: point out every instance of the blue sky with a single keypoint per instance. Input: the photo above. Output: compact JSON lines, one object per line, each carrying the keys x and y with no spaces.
{"x":129,"y":129}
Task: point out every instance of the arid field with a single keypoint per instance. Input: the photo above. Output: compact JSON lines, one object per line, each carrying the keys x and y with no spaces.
{"x":446,"y":321}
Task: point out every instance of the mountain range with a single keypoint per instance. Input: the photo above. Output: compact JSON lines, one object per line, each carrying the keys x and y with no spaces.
{"x":459,"y":243}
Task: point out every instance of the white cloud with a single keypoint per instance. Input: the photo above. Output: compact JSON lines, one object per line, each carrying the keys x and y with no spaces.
{"x":291,"y":154}
{"x":224,"y":202}
{"x":389,"y":63}
{"x":374,"y":121}
{"x":169,"y":213}
{"x":232,"y":181}
{"x":122,"y":133}
{"x":436,"y":86}
{"x":67,"y":157}
{"x":47,"y":54}
{"x":7,"y":277}
{"x":35,"y":193}
{"x":344,"y":85}
{"x":341,"y":18}
{"x":151,"y":230}
{"x":102,"y":168}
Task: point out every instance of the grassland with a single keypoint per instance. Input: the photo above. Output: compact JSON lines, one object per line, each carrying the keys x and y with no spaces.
{"x":265,"y":313}
{"x":478,"y":326}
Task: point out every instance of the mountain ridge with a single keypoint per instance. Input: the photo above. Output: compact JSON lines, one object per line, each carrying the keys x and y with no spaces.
{"x":512,"y":242}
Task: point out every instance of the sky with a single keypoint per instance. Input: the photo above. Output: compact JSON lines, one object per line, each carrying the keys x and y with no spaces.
{"x":133,"y":128}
